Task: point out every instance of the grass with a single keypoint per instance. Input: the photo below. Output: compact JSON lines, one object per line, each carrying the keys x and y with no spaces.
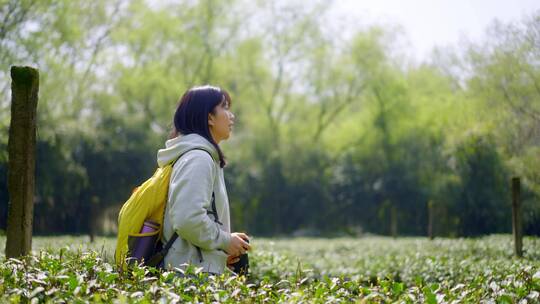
{"x":364,"y":270}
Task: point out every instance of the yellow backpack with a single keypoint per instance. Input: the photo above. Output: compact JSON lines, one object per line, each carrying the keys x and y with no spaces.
{"x":147,"y":202}
{"x":145,"y":206}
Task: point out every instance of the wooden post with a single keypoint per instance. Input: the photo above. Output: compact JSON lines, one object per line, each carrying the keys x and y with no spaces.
{"x":430,"y":220}
{"x":94,"y":218}
{"x":21,"y":165}
{"x":517,"y":228}
{"x":393,"y":221}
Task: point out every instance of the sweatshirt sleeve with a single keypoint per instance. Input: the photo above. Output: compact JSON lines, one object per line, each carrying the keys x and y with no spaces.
{"x":190,"y":193}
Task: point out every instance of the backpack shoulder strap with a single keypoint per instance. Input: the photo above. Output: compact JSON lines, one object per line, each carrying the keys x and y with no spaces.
{"x":201,"y":149}
{"x":213,"y":205}
{"x":214,"y":210}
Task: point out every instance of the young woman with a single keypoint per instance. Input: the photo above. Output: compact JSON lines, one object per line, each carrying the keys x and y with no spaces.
{"x":198,"y":208}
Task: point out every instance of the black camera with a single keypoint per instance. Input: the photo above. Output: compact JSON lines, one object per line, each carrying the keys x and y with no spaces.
{"x":242,"y":266}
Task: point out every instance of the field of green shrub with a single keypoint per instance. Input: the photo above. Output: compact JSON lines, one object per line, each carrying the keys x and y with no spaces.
{"x":364,"y":270}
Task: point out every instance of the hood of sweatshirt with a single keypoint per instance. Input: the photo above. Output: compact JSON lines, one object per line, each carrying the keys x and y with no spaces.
{"x":179,"y":145}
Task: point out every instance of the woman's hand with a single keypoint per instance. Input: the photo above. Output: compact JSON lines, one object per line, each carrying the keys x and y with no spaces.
{"x":231,"y":259}
{"x":238,"y":246}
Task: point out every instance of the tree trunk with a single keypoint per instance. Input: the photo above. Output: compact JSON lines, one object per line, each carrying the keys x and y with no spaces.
{"x":517,"y":230}
{"x":22,"y":156}
{"x":430,"y":220}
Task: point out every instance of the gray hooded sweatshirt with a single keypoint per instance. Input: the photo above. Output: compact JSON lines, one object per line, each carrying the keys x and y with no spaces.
{"x":195,"y":176}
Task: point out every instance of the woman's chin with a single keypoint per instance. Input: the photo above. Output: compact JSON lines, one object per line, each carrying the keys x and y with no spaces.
{"x":226,"y":136}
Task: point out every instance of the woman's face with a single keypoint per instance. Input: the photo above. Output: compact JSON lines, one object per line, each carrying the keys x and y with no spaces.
{"x":221,"y":122}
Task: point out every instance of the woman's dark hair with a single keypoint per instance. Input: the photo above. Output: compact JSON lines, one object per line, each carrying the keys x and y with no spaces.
{"x":191,"y":115}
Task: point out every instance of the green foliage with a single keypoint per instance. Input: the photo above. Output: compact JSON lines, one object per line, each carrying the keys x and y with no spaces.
{"x":366,"y":270}
{"x":482,"y":192}
{"x":335,"y":134}
{"x":507,"y":83}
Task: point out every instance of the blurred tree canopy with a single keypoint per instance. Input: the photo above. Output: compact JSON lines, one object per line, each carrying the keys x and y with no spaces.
{"x":334,"y":133}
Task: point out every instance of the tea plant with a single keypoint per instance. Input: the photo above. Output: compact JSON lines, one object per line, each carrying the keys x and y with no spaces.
{"x":365,"y":270}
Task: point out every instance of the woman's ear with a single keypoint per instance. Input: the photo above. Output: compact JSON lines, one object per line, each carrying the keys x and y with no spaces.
{"x":210,"y":119}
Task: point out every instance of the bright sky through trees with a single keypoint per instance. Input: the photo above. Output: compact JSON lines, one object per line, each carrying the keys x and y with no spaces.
{"x":430,"y":23}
